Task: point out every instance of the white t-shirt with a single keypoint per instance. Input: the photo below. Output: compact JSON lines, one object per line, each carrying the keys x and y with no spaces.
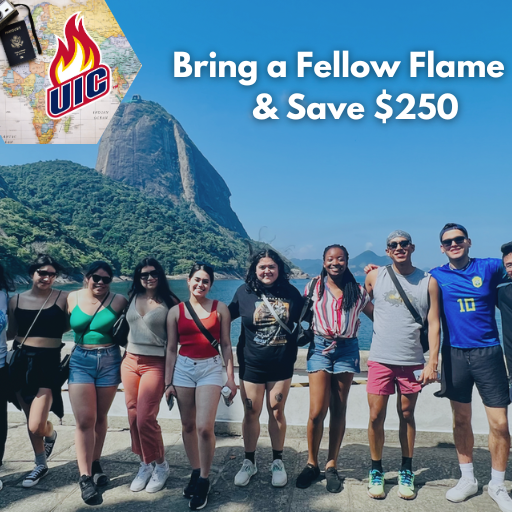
{"x":3,"y":326}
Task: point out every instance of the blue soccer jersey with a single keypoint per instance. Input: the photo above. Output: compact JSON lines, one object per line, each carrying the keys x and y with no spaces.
{"x":469,"y":303}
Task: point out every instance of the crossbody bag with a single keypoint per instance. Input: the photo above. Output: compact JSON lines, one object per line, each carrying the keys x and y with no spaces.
{"x":305,"y":336}
{"x":411,"y":308}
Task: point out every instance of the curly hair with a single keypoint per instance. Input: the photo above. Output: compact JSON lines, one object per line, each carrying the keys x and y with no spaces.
{"x":163,"y":289}
{"x":349,"y":285}
{"x":283,"y":278}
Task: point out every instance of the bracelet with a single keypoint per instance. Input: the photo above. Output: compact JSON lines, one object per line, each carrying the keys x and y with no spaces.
{"x":168,"y":386}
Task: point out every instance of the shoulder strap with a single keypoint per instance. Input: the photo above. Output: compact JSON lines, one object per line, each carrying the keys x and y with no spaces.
{"x":214,"y":306}
{"x":18,"y":300}
{"x":407,"y":302}
{"x":60,"y":291}
{"x":112,"y":300}
{"x":307,"y":302}
{"x":207,"y":334}
{"x":274,"y":314}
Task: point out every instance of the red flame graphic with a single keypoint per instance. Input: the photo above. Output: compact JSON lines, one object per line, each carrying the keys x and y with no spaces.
{"x":80,"y":53}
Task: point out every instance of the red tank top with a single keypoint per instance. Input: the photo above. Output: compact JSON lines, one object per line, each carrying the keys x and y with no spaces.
{"x":193,"y":342}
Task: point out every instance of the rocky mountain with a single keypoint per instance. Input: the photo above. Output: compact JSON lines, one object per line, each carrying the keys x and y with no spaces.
{"x":147,"y":148}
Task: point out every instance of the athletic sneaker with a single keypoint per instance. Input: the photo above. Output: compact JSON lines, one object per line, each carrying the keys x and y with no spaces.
{"x":247,"y":471}
{"x":308,"y":475}
{"x":200,"y":498}
{"x":332,"y":480}
{"x":99,"y":478}
{"x":463,"y":490}
{"x":35,"y":475}
{"x":49,"y":444}
{"x":188,"y":492}
{"x":87,"y":488}
{"x":142,"y":478}
{"x":406,"y":484}
{"x":376,"y":484}
{"x":500,"y":495}
{"x":158,"y":478}
{"x":279,"y":476}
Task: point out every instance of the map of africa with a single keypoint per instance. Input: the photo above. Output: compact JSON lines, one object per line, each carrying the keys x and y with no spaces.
{"x":23,"y":118}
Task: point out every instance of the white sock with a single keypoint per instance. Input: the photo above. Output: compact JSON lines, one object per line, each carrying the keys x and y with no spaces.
{"x":467,"y":471}
{"x":497,"y":477}
{"x":163,"y":465}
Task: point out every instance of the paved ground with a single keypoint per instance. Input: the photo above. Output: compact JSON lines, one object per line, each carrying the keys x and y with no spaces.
{"x":435,"y":465}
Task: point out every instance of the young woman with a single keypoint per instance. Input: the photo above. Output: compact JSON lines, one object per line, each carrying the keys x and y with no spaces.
{"x":143,"y":369}
{"x":194,"y":376}
{"x":332,"y":359}
{"x":93,"y":370}
{"x":6,"y":286}
{"x":266,"y":354}
{"x":37,"y":321}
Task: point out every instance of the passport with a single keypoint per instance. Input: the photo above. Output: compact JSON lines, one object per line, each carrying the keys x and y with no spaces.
{"x":17,"y":44}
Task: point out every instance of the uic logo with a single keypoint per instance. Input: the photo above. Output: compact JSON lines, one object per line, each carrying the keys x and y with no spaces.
{"x":78,"y":77}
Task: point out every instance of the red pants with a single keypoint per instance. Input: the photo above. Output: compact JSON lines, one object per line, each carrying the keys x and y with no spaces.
{"x":143,"y":381}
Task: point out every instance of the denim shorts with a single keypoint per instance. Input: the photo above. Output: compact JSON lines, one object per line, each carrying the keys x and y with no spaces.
{"x":98,"y":366}
{"x":342,"y":359}
{"x":192,"y":373}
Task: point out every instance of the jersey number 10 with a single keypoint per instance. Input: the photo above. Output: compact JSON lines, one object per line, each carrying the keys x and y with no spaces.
{"x":466,"y":305}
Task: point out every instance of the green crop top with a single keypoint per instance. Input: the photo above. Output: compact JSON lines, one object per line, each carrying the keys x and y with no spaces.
{"x":99,"y":332}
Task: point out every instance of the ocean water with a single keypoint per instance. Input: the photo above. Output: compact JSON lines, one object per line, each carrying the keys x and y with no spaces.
{"x":224,"y":290}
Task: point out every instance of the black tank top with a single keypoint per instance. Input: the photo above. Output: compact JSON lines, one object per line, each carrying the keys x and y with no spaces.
{"x":50,"y":324}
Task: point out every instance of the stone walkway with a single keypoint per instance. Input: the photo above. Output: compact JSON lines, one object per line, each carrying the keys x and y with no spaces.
{"x":435,"y":467}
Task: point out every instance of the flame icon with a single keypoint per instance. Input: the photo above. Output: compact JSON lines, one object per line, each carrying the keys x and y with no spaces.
{"x":80,"y":53}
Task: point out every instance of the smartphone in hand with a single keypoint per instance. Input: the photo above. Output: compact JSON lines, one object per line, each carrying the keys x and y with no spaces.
{"x":170,"y":402}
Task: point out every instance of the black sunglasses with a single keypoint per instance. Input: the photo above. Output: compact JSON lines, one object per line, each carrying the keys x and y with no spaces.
{"x":458,"y":240}
{"x":145,"y":275}
{"x":105,"y":279}
{"x":403,"y":244}
{"x":45,"y":273}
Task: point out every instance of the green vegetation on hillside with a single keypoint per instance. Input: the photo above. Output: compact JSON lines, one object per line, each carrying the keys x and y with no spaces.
{"x":78,"y":215}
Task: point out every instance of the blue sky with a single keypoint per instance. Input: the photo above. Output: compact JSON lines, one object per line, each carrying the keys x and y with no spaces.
{"x":306,"y":184}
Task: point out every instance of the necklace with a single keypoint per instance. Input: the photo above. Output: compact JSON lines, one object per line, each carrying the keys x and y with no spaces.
{"x":463,"y":268}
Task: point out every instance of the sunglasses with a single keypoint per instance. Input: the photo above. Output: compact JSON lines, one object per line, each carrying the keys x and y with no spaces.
{"x":45,"y":273}
{"x":98,"y":279}
{"x":403,"y":244}
{"x":145,"y":275}
{"x":458,"y":240}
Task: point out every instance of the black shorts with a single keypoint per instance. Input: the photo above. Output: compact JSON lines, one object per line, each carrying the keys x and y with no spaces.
{"x":270,"y":372}
{"x":485,"y":367}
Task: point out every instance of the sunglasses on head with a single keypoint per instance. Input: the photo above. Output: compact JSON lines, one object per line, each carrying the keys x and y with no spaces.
{"x":458,"y":240}
{"x":105,"y":279}
{"x":145,"y":275}
{"x":45,"y":273}
{"x":403,"y":244}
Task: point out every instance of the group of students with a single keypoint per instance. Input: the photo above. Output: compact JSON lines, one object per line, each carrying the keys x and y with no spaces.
{"x":400,"y":299}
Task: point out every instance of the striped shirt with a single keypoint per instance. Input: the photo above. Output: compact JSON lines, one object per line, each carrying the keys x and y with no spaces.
{"x":330,"y":320}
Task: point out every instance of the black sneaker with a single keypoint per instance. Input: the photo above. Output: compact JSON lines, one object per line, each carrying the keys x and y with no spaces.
{"x":309,"y":474}
{"x":188,"y":492}
{"x":49,"y":444}
{"x":333,"y":481}
{"x":35,"y":475}
{"x":87,"y":488}
{"x":99,"y":478}
{"x":200,"y":498}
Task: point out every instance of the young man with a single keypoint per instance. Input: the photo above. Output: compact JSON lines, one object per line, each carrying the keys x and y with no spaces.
{"x":472,"y":355}
{"x":396,"y":354}
{"x":505,"y":304}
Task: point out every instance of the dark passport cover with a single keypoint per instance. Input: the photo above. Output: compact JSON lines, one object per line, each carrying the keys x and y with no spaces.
{"x":17,"y":44}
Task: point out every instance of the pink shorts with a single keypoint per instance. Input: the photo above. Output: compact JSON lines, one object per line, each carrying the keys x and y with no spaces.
{"x":382,"y":379}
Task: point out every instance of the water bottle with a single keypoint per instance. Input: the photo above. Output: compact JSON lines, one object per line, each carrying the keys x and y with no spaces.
{"x":226,"y":393}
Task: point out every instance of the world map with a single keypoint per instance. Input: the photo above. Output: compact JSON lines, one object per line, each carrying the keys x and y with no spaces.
{"x":23,"y":118}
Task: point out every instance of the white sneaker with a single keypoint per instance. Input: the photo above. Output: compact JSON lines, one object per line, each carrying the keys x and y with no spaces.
{"x":158,"y":478}
{"x":500,"y":495}
{"x":463,"y":490}
{"x":247,"y":471}
{"x":142,"y":478}
{"x":279,"y":476}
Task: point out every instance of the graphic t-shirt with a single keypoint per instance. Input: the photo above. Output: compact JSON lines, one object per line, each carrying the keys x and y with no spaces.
{"x":262,"y":340}
{"x":469,"y":303}
{"x":505,"y":305}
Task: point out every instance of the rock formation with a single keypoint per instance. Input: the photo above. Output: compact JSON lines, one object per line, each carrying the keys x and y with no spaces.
{"x":147,"y":148}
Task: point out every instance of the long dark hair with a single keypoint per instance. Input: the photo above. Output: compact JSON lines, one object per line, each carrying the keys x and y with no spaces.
{"x":6,"y":283}
{"x":43,"y":260}
{"x":98,"y":265}
{"x":349,"y":286}
{"x":255,"y":285}
{"x":163,"y":290}
{"x":205,"y":268}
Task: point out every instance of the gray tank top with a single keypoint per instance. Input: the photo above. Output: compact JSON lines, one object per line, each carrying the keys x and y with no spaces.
{"x":396,"y":336}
